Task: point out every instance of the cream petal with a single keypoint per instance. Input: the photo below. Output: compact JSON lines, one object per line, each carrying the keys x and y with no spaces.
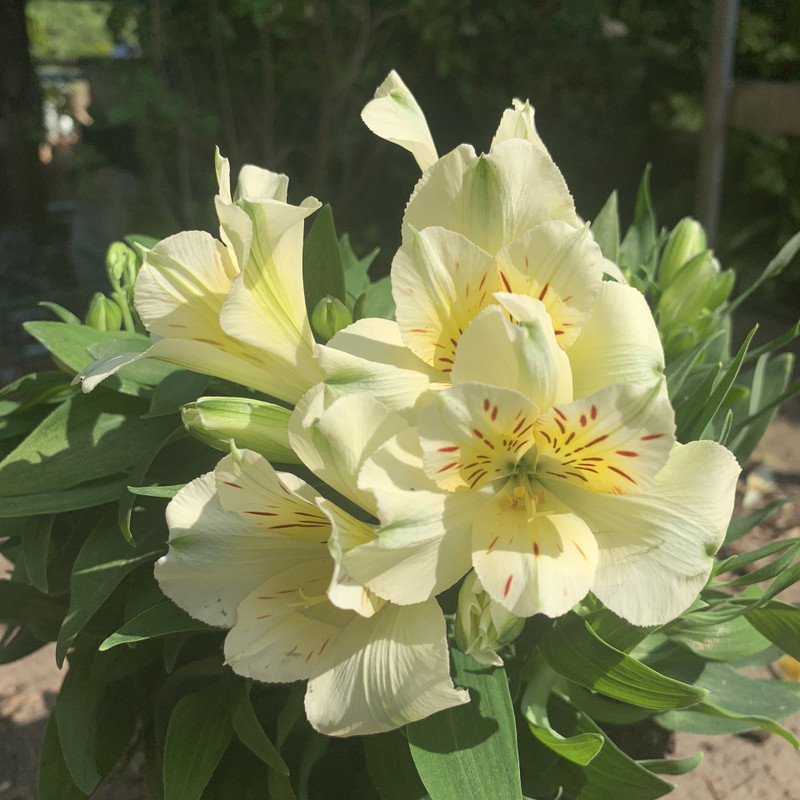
{"x":521,"y":355}
{"x":182,"y":285}
{"x":348,"y":533}
{"x":656,"y":549}
{"x":369,"y":357}
{"x":472,"y":434}
{"x":619,"y":344}
{"x":285,"y":625}
{"x":440,"y":282}
{"x":395,"y":115}
{"x":491,"y":199}
{"x":518,"y":122}
{"x":383,"y":672}
{"x":265,"y":307}
{"x":277,"y":502}
{"x":532,"y":562}
{"x":215,"y":558}
{"x":335,"y":435}
{"x":561,"y":267}
{"x":614,"y":441}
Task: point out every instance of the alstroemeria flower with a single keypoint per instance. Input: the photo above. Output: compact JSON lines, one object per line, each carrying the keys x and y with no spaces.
{"x":232,"y":308}
{"x":248,"y":552}
{"x":574,"y":495}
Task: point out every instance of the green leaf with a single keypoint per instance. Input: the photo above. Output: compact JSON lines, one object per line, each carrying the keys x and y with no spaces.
{"x":768,"y":571}
{"x":198,"y":734}
{"x":36,"y":549}
{"x":574,"y":650}
{"x":579,"y":749}
{"x":769,"y":381}
{"x":156,"y":491}
{"x":739,"y":527}
{"x":323,"y":273}
{"x":18,"y":642}
{"x":23,"y":605}
{"x":163,"y":619}
{"x":87,"y":496}
{"x":780,"y":623}
{"x":85,"y":438}
{"x":378,"y":300}
{"x":64,"y":314}
{"x":78,"y":346}
{"x":55,"y":781}
{"x":470,"y":752}
{"x":142,"y":240}
{"x":605,"y":228}
{"x":177,"y":388}
{"x":672,"y":766}
{"x":717,"y":397}
{"x":103,"y":561}
{"x":391,"y":767}
{"x":679,"y":369}
{"x":252,"y":735}
{"x":356,"y":277}
{"x":726,"y":641}
{"x":638,"y":250}
{"x":75,"y":716}
{"x":610,"y":774}
{"x":775,"y":267}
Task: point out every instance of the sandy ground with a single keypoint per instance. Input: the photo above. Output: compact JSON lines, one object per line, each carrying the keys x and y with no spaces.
{"x":733,"y":767}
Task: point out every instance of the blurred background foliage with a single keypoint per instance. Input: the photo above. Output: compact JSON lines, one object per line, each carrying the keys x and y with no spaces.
{"x":280,"y":83}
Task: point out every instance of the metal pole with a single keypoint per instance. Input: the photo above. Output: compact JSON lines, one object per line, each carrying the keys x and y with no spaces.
{"x":718,"y":85}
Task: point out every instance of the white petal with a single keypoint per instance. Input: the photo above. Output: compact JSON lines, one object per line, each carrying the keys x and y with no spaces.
{"x":265,"y":306}
{"x":518,"y":123}
{"x":560,"y":266}
{"x":395,"y":115}
{"x":369,"y":357}
{"x":215,"y":558}
{"x":472,"y":434}
{"x":491,"y":199}
{"x":524,"y":357}
{"x":657,"y":548}
{"x":613,"y":441}
{"x":440,"y":281}
{"x":285,"y":625}
{"x":619,"y":343}
{"x":182,"y":284}
{"x":348,"y":533}
{"x":334,"y":436}
{"x":281,"y":503}
{"x":532,"y":563}
{"x":383,"y":672}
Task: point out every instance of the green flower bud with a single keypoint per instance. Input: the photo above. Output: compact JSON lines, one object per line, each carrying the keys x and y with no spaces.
{"x":251,"y":424}
{"x":103,"y":314}
{"x":330,"y":316}
{"x":121,"y":264}
{"x":483,"y":625}
{"x":692,"y":291}
{"x":686,"y":240}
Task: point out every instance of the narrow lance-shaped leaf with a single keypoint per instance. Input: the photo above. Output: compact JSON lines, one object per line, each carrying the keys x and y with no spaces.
{"x":574,"y":650}
{"x":470,"y":752}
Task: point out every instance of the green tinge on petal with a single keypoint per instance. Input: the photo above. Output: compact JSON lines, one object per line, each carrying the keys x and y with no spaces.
{"x":395,"y":115}
{"x":518,"y":122}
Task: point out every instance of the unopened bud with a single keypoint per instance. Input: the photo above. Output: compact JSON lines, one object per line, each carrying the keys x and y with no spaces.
{"x":103,"y":314}
{"x":686,"y":240}
{"x":330,"y":316}
{"x":482,"y":624}
{"x":121,"y":264}
{"x":251,"y":424}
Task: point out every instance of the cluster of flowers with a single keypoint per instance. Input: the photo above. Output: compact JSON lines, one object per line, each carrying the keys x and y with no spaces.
{"x":511,"y":426}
